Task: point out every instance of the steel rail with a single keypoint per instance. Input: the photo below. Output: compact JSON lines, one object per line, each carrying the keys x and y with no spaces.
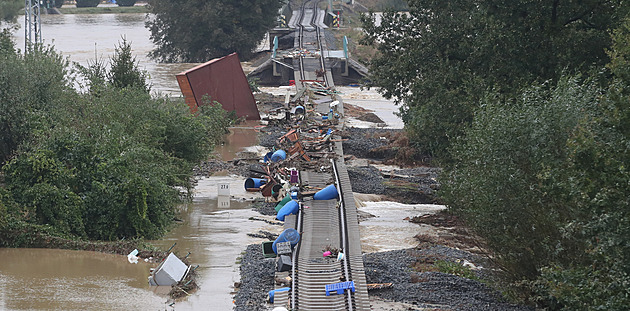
{"x":322,"y":222}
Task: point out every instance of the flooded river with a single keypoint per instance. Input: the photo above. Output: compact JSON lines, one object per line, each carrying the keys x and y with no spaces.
{"x":86,"y":37}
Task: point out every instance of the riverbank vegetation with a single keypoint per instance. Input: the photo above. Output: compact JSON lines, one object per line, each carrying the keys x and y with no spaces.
{"x":107,"y":164}
{"x":525,"y":105}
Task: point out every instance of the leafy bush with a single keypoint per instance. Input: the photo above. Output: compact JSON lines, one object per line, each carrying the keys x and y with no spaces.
{"x":544,"y":180}
{"x":30,"y":86}
{"x":107,"y":164}
{"x":509,"y":180}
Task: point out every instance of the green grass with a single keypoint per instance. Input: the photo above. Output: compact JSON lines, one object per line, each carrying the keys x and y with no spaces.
{"x":104,"y":10}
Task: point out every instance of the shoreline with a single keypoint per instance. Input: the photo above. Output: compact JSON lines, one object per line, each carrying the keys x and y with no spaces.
{"x":68,"y":9}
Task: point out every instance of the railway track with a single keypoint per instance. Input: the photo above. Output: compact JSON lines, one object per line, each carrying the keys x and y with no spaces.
{"x":323,"y":224}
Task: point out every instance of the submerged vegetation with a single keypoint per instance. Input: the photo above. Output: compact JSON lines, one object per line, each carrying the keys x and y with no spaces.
{"x":107,"y":164}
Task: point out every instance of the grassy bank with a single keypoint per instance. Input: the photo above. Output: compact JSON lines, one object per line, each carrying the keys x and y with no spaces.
{"x":103,"y":10}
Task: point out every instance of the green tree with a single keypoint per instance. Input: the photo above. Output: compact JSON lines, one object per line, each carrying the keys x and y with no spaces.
{"x":9,"y":10}
{"x":440,"y":58}
{"x":199,"y":30}
{"x":31,"y":85}
{"x":509,"y":171}
{"x":124,"y":71}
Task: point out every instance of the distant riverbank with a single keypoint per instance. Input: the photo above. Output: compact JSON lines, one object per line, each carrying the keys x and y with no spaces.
{"x":70,"y":9}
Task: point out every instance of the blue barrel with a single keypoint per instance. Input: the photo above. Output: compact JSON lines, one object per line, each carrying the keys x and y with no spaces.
{"x":328,"y":193}
{"x":288,"y":235}
{"x":254,"y":183}
{"x":283,"y":202}
{"x":288,"y":209}
{"x":273,"y":292}
{"x":278,"y":156}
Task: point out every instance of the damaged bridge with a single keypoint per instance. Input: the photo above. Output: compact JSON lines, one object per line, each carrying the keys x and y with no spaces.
{"x":279,"y":68}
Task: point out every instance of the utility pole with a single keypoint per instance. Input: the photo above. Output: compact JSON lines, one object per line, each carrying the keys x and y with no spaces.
{"x":32,"y":24}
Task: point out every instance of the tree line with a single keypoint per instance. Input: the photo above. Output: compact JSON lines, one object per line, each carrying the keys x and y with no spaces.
{"x":525,"y":105}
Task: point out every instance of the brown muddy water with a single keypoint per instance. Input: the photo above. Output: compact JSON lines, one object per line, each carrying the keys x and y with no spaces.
{"x":86,"y":37}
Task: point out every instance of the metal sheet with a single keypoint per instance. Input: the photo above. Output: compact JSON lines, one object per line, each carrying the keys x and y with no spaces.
{"x":224,"y":81}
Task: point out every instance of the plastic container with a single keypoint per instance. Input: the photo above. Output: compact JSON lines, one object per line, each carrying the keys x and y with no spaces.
{"x":254,"y":183}
{"x":328,"y":193}
{"x":294,"y":177}
{"x":288,"y":235}
{"x":278,"y":156}
{"x":267,"y":249}
{"x":288,"y":209}
{"x":283,"y":202}
{"x":273,"y":292}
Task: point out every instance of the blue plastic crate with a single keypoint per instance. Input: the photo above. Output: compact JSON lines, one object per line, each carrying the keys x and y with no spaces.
{"x":339,"y":288}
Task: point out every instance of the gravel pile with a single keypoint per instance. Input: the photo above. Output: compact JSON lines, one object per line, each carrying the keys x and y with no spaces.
{"x":366,"y":180}
{"x":207,"y":168}
{"x":257,"y":275}
{"x":365,"y":143}
{"x":425,"y":289}
{"x":265,"y":208}
{"x":430,"y":289}
{"x":269,"y":135}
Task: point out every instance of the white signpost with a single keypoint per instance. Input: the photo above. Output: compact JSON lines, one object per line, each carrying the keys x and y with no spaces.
{"x":224,"y":189}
